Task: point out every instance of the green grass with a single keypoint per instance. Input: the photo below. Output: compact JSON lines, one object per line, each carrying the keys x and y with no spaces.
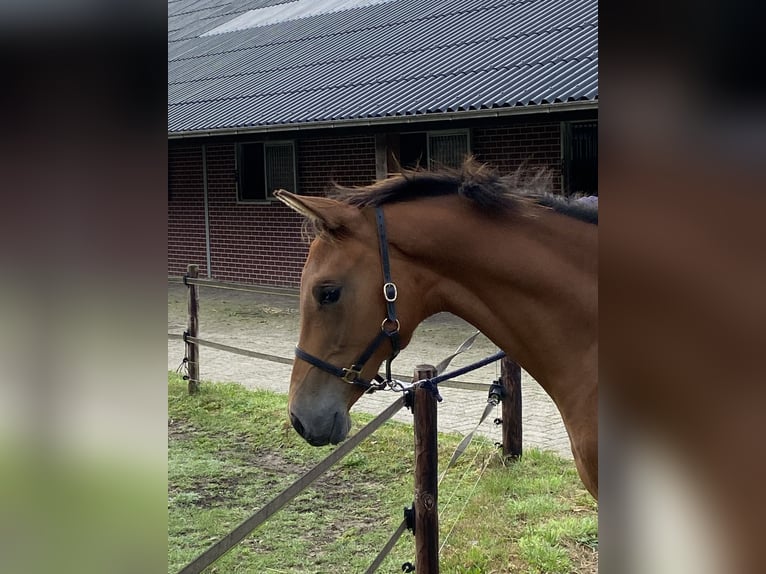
{"x":231,"y":450}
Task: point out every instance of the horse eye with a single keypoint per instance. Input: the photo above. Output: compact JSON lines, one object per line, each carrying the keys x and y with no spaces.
{"x":327,"y":294}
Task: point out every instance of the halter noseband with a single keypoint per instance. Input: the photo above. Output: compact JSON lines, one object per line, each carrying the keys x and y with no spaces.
{"x":389,"y":328}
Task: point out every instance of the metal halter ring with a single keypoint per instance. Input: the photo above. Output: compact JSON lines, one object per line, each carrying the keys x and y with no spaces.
{"x":394,"y":293}
{"x":351,"y":375}
{"x":387,"y":320}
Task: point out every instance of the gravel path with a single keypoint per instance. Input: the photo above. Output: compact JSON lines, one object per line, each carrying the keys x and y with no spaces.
{"x":268,"y":323}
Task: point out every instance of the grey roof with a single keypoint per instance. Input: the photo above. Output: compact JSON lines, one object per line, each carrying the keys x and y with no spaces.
{"x":272,"y":63}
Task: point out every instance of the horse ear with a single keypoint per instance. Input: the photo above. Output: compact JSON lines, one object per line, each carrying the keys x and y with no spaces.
{"x":328,"y":213}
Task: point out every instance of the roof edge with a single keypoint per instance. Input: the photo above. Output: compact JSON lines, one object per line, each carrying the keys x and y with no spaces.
{"x":387,"y":120}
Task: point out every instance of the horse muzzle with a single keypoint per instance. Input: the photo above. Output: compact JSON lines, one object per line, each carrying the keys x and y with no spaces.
{"x":321,"y":430}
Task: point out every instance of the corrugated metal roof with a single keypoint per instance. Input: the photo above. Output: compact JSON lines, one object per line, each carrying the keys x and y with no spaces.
{"x":357,"y":59}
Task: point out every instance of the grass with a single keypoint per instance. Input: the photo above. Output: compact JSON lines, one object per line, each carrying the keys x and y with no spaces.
{"x":231,"y":450}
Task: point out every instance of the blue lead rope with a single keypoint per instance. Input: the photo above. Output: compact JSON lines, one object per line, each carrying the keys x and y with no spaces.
{"x":468,"y":368}
{"x":431,"y":384}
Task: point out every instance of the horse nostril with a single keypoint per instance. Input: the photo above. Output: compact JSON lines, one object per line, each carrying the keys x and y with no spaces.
{"x":297,"y":425}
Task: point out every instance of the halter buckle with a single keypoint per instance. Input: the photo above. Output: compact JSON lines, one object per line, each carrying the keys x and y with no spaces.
{"x":351,"y":375}
{"x":390,"y":293}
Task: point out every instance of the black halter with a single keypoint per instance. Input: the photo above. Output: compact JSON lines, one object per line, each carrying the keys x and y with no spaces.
{"x":389,"y":328}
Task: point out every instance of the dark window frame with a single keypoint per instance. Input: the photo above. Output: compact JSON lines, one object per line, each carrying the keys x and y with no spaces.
{"x":456,"y":132}
{"x":265,"y":195}
{"x":428,"y":161}
{"x":568,"y":179}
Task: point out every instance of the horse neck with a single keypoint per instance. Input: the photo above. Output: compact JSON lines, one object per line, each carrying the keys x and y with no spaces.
{"x":527,"y":282}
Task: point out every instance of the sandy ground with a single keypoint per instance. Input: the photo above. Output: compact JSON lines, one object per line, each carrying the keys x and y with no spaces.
{"x":268,"y":323}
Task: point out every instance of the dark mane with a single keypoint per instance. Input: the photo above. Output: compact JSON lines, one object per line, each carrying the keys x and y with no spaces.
{"x":477,"y":182}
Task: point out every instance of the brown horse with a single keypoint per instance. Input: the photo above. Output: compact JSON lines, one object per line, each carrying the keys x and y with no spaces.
{"x":516,"y":262}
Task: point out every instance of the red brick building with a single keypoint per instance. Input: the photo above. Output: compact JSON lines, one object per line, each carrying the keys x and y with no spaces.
{"x":237,"y":132}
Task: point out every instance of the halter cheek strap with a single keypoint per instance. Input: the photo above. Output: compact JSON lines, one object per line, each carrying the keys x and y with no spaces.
{"x":390,"y":325}
{"x":389,"y":328}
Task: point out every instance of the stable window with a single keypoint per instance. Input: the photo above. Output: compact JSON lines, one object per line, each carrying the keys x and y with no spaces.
{"x":433,"y":149}
{"x":580,"y":157}
{"x":264,"y":167}
{"x":447,"y":149}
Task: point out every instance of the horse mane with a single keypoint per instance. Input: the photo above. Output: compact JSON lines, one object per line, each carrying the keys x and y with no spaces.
{"x":477,"y":182}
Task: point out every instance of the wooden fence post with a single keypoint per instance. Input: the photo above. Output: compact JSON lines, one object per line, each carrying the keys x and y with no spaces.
{"x":192,"y":329}
{"x":426,"y":476}
{"x":510,"y":377}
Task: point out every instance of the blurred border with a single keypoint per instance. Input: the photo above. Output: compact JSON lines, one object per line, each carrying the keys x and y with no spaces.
{"x":682,"y":312}
{"x":83,"y":291}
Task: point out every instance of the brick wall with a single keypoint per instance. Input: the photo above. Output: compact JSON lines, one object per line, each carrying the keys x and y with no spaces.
{"x":257,"y":243}
{"x":507,"y":147}
{"x":186,"y":210}
{"x":347,"y":161}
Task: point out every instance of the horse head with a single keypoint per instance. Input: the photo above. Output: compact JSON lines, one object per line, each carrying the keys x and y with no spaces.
{"x":347,"y":330}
